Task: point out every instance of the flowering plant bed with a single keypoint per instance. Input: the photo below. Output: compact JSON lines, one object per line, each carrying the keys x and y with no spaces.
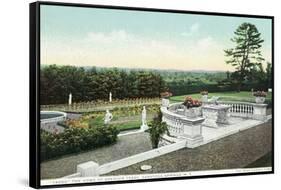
{"x":191,"y":103}
{"x":259,"y":94}
{"x":193,"y":108}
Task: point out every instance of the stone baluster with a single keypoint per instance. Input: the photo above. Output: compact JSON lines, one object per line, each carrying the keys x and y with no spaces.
{"x":239,"y":108}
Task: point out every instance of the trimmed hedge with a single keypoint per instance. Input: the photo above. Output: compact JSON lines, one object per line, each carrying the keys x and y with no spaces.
{"x":74,"y":140}
{"x":182,"y":89}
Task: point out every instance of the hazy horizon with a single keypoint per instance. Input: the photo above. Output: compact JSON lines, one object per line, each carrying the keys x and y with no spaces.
{"x":137,"y":39}
{"x":124,"y":68}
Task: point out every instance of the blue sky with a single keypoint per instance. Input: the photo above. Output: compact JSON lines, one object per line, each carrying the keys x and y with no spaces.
{"x":122,"y":38}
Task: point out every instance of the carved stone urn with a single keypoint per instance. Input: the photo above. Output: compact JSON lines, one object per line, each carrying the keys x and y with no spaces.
{"x":260,"y":100}
{"x":193,"y":112}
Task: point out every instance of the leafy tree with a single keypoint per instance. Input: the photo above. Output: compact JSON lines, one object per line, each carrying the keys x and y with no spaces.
{"x":269,"y":75}
{"x":157,"y":129}
{"x":89,"y":84}
{"x":246,"y":53}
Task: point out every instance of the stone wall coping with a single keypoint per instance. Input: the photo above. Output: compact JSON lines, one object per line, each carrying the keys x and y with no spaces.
{"x":182,"y":117}
{"x":216,"y":107}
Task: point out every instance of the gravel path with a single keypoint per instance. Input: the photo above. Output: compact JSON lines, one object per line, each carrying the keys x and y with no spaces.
{"x":73,"y":115}
{"x":126,"y":146}
{"x":235,"y":151}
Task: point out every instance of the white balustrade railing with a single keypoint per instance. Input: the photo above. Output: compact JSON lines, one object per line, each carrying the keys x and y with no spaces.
{"x":239,"y":109}
{"x":173,"y":121}
{"x":180,"y":124}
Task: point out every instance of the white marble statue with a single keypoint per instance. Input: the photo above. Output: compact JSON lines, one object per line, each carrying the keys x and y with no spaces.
{"x":143,"y":119}
{"x":110,"y":97}
{"x":70,"y":99}
{"x":143,"y":116}
{"x":108,"y":117}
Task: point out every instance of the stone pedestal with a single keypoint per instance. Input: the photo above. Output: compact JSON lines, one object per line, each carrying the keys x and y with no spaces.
{"x":144,"y":127}
{"x":259,"y":111}
{"x":192,"y":131}
{"x":260,"y":100}
{"x":204,"y":98}
{"x":194,"y":142}
{"x":165,"y":102}
{"x":88,"y":169}
{"x":215,"y":115}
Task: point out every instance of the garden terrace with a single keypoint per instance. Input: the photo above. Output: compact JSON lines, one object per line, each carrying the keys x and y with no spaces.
{"x":225,"y":153}
{"x":185,"y":132}
{"x":239,"y":115}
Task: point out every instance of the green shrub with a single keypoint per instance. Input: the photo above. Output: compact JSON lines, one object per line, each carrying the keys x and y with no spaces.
{"x":74,"y":140}
{"x":157,"y":129}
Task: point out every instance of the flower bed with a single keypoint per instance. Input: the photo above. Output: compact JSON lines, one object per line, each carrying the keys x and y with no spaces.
{"x":191,"y":103}
{"x":259,"y":94}
{"x":193,"y":107}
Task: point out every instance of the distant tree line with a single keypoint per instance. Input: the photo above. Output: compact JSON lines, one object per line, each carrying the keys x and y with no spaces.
{"x":56,"y":82}
{"x":258,"y":78}
{"x":90,"y":84}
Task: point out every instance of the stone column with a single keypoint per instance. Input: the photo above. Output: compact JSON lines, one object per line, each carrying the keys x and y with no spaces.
{"x":88,"y":169}
{"x":259,"y":111}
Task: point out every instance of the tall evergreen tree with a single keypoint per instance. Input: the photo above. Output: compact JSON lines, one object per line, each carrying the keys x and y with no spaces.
{"x":246,"y":53}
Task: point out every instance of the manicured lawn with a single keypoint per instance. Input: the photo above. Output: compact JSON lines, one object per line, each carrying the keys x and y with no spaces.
{"x":96,"y":121}
{"x":121,"y":123}
{"x":227,"y":96}
{"x":128,"y":125}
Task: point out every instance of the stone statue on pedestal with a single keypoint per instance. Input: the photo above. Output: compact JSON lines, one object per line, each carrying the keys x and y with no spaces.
{"x":70,"y":99}
{"x":110,"y":97}
{"x":108,"y":117}
{"x":143,"y":119}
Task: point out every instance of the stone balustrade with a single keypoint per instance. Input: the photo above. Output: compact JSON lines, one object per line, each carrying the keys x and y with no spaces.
{"x":246,"y":110}
{"x":191,"y":128}
{"x":183,"y":127}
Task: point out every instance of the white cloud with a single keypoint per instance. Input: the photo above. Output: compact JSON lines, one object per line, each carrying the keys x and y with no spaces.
{"x":113,"y":36}
{"x":192,"y":30}
{"x":118,"y":40}
{"x":206,"y":43}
